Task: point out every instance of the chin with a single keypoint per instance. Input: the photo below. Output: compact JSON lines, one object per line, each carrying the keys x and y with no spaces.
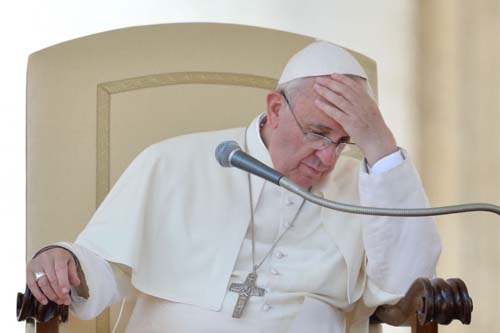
{"x":305,"y":177}
{"x":305,"y":182}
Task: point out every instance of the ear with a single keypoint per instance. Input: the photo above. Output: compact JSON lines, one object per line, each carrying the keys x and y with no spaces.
{"x":274,"y":104}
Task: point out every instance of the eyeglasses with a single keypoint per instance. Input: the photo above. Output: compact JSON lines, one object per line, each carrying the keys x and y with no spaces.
{"x":316,"y":140}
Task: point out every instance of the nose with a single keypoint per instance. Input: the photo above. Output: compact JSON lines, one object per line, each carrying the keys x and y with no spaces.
{"x":327,"y":155}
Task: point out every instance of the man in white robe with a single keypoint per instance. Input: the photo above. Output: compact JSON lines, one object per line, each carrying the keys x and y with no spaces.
{"x":182,"y":224}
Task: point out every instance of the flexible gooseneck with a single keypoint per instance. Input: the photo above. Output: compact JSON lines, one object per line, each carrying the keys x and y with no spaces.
{"x":229,"y":154}
{"x":292,"y":187}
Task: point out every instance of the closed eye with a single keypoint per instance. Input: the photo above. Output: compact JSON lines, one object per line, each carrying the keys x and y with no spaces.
{"x":345,"y":139}
{"x":319,"y":133}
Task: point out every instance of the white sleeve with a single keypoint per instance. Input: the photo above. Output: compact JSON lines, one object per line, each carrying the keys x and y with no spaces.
{"x":398,"y":249}
{"x":106,"y":284}
{"x":386,"y":163}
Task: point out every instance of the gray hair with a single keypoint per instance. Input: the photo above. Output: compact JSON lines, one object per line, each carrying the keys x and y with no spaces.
{"x":290,"y":88}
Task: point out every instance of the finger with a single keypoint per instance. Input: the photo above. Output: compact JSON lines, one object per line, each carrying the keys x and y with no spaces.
{"x":35,"y":290}
{"x":337,"y":100}
{"x":340,"y":88}
{"x":61,"y":270}
{"x":74,"y":280}
{"x":332,"y":111}
{"x":348,"y":81}
{"x":52,"y":280}
{"x":47,"y":290}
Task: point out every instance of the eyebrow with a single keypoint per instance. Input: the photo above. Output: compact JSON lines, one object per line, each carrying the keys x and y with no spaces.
{"x":322,"y":127}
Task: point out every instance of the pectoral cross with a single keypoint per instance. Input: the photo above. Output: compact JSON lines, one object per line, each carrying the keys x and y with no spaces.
{"x":245,"y":290}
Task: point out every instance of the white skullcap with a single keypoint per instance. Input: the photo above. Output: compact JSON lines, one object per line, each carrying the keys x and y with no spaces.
{"x":321,"y":58}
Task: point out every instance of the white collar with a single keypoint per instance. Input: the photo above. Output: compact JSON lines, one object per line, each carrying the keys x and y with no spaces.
{"x":256,"y":148}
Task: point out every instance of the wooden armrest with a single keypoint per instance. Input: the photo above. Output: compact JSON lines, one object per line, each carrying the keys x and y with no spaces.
{"x":28,"y":308}
{"x":428,"y":301}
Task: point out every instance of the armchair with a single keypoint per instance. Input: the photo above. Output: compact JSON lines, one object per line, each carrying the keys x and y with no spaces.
{"x":95,"y":102}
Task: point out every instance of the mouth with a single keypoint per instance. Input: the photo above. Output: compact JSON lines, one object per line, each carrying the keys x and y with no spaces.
{"x":311,"y":170}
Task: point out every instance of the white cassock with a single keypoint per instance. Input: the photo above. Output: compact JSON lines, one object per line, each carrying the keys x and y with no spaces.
{"x":181,"y":223}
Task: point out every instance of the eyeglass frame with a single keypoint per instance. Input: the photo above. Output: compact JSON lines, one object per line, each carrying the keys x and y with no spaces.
{"x":324,"y":141}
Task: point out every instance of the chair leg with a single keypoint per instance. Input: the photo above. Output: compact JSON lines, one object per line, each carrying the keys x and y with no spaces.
{"x":427,"y":328}
{"x":52,"y":326}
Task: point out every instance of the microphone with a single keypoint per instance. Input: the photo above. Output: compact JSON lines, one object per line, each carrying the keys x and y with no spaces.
{"x":229,"y":154}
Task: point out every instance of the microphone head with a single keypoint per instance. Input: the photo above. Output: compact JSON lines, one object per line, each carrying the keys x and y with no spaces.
{"x":223,"y":152}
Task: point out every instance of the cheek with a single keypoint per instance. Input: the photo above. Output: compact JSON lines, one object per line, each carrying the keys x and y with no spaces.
{"x":287,"y":152}
{"x":290,"y":160}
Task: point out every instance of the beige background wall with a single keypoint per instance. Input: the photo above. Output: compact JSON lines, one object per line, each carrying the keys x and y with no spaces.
{"x":459,"y":140}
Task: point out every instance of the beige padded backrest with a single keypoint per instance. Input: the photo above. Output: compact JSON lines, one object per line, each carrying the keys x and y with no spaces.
{"x":95,"y":102}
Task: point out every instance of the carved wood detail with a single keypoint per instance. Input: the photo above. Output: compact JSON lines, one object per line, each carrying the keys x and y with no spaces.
{"x":431,"y":301}
{"x":47,"y":317}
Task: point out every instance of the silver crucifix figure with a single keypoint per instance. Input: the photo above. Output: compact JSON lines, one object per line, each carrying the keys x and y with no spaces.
{"x":245,"y":290}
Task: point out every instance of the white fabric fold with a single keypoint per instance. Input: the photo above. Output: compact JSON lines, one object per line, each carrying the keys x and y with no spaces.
{"x":318,"y":317}
{"x":197,"y":262}
{"x":398,"y":249}
{"x":106,"y":284}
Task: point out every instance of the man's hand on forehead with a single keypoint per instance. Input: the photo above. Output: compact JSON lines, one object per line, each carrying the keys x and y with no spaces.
{"x":347,"y":101}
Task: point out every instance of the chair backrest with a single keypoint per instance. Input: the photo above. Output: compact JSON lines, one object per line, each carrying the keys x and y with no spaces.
{"x":95,"y":102}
